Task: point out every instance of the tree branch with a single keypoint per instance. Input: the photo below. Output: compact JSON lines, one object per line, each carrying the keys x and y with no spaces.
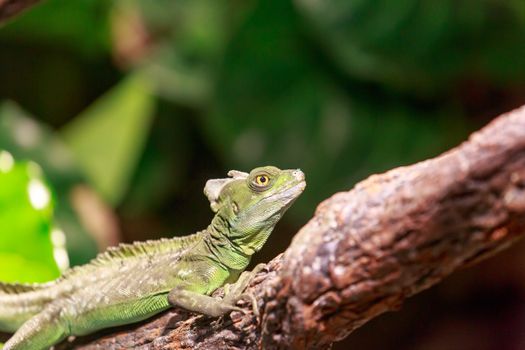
{"x":11,"y":8}
{"x":365,"y":251}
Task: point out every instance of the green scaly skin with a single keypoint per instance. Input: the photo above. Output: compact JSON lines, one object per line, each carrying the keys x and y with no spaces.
{"x":133,"y":282}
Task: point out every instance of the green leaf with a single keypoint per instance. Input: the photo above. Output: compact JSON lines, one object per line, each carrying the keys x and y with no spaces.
{"x":26,"y":223}
{"x":108,"y":138}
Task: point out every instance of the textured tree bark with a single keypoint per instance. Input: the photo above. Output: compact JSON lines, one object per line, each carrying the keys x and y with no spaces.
{"x":365,"y":251}
{"x":10,"y":8}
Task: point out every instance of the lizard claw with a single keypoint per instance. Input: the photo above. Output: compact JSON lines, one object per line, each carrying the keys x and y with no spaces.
{"x":250,"y":297}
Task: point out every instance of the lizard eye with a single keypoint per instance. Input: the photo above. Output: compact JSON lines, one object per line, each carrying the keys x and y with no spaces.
{"x":261,"y":180}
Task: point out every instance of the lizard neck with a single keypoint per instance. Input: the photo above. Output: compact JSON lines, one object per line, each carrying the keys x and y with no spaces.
{"x":221,"y":248}
{"x":239,"y":238}
{"x":234,"y":246}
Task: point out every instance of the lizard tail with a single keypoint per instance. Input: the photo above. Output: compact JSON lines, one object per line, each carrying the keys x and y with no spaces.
{"x":20,"y":302}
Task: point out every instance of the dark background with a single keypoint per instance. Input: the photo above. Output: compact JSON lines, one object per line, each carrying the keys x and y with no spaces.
{"x":152,"y":98}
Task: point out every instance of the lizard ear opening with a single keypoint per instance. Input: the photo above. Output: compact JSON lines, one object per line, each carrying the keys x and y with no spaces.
{"x":213,"y":188}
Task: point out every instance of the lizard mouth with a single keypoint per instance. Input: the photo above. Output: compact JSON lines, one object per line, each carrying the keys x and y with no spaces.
{"x":298,"y":186}
{"x":290,"y":194}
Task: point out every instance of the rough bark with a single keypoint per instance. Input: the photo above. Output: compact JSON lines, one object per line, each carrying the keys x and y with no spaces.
{"x":11,"y":8}
{"x":365,"y":251}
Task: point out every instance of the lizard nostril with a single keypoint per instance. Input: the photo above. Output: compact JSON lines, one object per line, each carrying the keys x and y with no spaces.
{"x":298,"y":174}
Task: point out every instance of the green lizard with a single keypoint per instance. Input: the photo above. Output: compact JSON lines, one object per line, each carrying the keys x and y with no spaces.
{"x":133,"y":282}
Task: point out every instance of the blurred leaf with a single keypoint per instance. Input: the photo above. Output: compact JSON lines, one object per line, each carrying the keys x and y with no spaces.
{"x":26,"y":223}
{"x":420,"y":46}
{"x":28,"y":140}
{"x":108,"y":138}
{"x":190,"y":38}
{"x":80,"y":25}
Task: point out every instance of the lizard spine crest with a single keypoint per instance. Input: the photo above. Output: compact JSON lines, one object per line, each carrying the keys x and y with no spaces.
{"x":17,"y":288}
{"x":139,"y":249}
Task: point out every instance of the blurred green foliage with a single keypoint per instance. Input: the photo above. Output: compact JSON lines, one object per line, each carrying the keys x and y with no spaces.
{"x":80,"y":25}
{"x":26,"y":222}
{"x":108,"y":137}
{"x":30,"y":142}
{"x":421,"y":47}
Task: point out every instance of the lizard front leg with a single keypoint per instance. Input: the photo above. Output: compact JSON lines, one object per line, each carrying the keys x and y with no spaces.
{"x":192,"y":301}
{"x":201,"y":303}
{"x":235,"y":292}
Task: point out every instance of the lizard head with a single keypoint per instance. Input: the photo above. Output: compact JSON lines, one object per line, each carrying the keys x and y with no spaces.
{"x":253,"y":203}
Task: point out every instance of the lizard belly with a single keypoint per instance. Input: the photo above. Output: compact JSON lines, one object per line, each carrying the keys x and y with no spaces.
{"x":123,"y":298}
{"x":117,"y":314}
